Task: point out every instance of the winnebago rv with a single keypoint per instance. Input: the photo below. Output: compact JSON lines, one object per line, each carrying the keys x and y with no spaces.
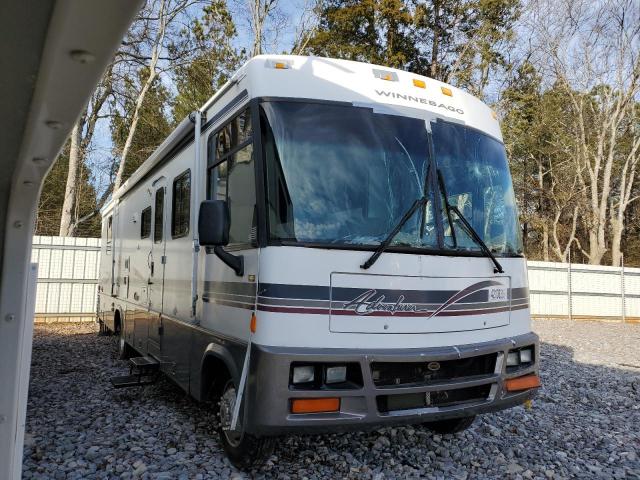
{"x":324,"y":245}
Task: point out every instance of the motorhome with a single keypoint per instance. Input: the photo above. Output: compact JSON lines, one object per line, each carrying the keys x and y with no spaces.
{"x":324,"y":245}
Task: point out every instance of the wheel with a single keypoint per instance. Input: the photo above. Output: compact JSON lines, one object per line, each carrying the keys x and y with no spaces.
{"x":451,"y":425}
{"x":244,"y":450}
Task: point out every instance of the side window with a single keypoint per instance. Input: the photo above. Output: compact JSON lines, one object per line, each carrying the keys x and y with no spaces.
{"x":231,"y":175}
{"x":181,"y":205}
{"x":109,"y":234}
{"x":145,"y":223}
{"x":242,"y":197}
{"x":159,"y":216}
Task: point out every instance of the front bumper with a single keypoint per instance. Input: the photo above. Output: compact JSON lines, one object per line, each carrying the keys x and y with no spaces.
{"x":267,"y":409}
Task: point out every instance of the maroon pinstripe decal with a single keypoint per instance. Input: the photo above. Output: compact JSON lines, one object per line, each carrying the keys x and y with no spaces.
{"x":450,"y":313}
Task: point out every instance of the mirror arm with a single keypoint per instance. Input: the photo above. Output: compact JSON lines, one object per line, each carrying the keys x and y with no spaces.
{"x":235,"y":262}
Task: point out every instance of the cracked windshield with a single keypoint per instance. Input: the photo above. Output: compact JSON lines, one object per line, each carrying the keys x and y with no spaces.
{"x":343,"y":175}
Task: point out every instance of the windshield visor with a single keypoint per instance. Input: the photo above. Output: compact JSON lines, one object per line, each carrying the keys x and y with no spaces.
{"x":344,"y":175}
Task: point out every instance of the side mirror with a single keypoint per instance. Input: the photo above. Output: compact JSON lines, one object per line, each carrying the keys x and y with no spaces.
{"x":214,"y":223}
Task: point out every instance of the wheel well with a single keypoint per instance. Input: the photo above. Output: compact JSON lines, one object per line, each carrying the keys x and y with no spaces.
{"x":214,"y":376}
{"x":117,"y":322}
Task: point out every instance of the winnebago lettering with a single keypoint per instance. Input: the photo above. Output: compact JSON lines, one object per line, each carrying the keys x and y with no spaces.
{"x":324,"y":245}
{"x":424,"y":101}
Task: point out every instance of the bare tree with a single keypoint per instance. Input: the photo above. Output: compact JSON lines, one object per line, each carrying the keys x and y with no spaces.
{"x":161,"y":17}
{"x":564,"y":207}
{"x":264,"y":20}
{"x":593,"y":48}
{"x":620,"y":205}
{"x":80,"y":139}
{"x":72,"y":180}
{"x":307,"y":25}
{"x":155,"y":45}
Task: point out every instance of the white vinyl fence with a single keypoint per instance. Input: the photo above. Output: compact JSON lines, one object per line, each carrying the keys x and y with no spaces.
{"x":68,"y":276}
{"x":569,"y":290}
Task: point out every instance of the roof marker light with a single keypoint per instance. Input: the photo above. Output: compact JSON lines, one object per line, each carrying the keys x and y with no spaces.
{"x":494,"y":114}
{"x":419,"y":83}
{"x":278,"y":64}
{"x":385,"y":75}
{"x":446,"y":91}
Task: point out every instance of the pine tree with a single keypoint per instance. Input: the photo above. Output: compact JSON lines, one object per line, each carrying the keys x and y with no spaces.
{"x":457,"y":41}
{"x":464,"y":40}
{"x":376,"y":31}
{"x":52,"y":197}
{"x":216,"y":61}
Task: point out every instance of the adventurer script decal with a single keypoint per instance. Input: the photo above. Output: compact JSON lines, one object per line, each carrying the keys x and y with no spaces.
{"x":371,"y":302}
{"x":368,"y":303}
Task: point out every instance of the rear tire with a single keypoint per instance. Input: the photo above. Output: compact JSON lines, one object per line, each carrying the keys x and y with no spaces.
{"x":451,"y":425}
{"x":243,"y":450}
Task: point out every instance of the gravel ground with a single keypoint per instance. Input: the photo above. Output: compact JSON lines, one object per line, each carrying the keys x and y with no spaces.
{"x":584,"y":423}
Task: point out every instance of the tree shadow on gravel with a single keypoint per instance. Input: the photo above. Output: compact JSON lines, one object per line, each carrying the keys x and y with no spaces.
{"x":584,"y":422}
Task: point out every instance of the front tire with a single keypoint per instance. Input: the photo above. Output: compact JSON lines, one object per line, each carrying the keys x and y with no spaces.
{"x":244,"y":450}
{"x":451,"y":425}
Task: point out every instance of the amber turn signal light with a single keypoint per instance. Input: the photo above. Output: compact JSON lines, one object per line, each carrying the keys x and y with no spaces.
{"x":419,"y":83}
{"x":315,"y":405}
{"x":522,"y":383}
{"x":254,"y":323}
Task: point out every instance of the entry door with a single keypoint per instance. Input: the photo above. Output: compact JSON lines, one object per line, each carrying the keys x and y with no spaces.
{"x":156,"y":267}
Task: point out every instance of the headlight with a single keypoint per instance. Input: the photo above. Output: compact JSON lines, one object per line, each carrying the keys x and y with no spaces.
{"x":513,"y":359}
{"x":526,"y":355}
{"x":336,"y":374}
{"x":303,"y":374}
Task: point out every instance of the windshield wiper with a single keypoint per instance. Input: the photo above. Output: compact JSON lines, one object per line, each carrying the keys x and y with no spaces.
{"x":385,"y":243}
{"x":468,"y":227}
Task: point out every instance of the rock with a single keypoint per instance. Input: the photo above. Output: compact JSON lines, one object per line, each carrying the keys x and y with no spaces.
{"x":77,"y":419}
{"x":384,"y":441}
{"x":514,"y":468}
